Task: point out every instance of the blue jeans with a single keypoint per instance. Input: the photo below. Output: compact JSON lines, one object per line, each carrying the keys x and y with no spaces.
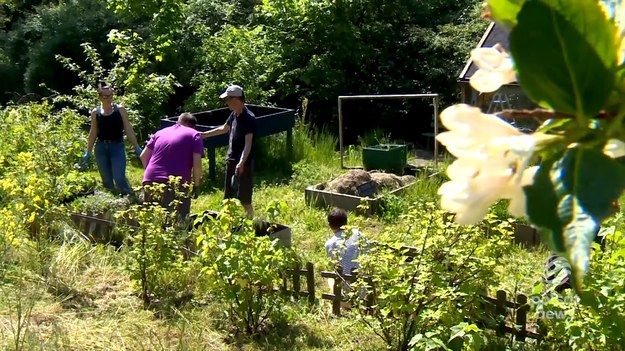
{"x":111,"y":160}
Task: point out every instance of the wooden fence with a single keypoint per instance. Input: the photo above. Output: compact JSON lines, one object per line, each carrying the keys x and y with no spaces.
{"x":294,"y":276}
{"x":518,"y":309}
{"x":501,"y":308}
{"x":100,"y":227}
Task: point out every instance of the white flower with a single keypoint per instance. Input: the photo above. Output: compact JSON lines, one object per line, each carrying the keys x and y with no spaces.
{"x":492,"y":158}
{"x":471,"y":197}
{"x":614,"y":148}
{"x":495,"y":69}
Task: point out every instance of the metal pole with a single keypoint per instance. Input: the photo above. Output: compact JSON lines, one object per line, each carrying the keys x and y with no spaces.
{"x":435,"y":131}
{"x":390,"y":96}
{"x":341,"y":131}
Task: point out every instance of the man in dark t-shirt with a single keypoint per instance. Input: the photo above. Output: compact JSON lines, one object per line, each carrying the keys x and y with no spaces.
{"x":241,"y":125}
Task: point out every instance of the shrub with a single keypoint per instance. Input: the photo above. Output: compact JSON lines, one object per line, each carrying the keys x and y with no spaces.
{"x":391,"y":207}
{"x":156,"y":248}
{"x":242,"y":269}
{"x":414,"y":303}
{"x":594,"y":321}
{"x":13,"y":238}
{"x":37,"y":153}
{"x":236,"y":55}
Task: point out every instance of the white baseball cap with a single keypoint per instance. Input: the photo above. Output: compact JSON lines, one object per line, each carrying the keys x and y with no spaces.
{"x":232,"y":91}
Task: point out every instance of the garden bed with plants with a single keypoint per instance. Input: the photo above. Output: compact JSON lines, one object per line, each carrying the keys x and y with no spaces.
{"x":261,"y":228}
{"x":357,"y":187}
{"x":228,"y":282}
{"x":95,"y":216}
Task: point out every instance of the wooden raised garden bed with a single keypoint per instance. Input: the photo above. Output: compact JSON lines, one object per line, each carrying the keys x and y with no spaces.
{"x":269,"y":120}
{"x":261,"y":228}
{"x":360,"y":187}
{"x":100,"y":227}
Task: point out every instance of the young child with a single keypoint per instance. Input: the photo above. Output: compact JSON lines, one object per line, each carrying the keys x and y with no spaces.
{"x":340,"y":249}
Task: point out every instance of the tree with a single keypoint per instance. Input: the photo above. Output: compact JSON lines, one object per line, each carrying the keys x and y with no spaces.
{"x":30,"y":47}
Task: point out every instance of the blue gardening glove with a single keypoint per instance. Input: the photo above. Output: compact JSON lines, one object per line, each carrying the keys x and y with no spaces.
{"x":85,"y":158}
{"x":139,"y":150}
{"x":83,"y":165}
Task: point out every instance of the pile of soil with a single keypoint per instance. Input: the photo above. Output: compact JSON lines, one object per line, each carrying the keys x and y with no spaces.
{"x":348,"y":183}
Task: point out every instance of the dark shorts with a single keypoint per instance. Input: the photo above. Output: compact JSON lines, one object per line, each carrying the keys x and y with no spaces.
{"x":244,"y":193}
{"x":168,"y":195}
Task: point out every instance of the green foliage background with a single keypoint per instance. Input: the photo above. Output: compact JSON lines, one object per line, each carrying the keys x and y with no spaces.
{"x":281,"y":51}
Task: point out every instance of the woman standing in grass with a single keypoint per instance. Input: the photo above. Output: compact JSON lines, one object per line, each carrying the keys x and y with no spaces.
{"x":108,"y":123}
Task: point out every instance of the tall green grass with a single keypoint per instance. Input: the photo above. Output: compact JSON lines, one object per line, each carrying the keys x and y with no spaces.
{"x":86,"y":300}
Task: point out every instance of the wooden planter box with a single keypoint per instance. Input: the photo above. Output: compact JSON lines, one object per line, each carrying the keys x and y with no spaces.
{"x":523,"y":234}
{"x":321,"y":198}
{"x":99,"y":227}
{"x":261,"y":228}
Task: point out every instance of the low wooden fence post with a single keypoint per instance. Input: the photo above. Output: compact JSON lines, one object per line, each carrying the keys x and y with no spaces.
{"x":310,"y":281}
{"x":501,"y":312}
{"x":296,"y":280}
{"x":369,"y":299}
{"x":338,"y":295}
{"x":521,"y":317}
{"x":295,"y":276}
{"x":283,"y":286}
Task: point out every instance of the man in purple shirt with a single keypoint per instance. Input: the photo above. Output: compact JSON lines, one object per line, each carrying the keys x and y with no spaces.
{"x":174,"y":151}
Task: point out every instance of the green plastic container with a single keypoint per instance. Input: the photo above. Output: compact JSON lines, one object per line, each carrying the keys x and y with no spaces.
{"x":385,"y":157}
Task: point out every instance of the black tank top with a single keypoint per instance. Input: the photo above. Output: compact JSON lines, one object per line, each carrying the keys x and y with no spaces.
{"x":110,"y":127}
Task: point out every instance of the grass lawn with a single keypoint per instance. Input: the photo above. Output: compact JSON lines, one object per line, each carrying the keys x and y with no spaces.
{"x":89,"y":302}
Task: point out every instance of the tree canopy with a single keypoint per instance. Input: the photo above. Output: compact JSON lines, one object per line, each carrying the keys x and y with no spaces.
{"x":281,"y":51}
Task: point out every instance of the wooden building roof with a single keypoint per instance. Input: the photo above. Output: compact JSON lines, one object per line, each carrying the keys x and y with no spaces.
{"x":494,"y":34}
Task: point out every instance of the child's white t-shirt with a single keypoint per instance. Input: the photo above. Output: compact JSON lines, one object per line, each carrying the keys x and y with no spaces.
{"x":344,"y":251}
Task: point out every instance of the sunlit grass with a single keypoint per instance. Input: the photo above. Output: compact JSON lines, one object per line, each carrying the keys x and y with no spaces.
{"x":87,"y":300}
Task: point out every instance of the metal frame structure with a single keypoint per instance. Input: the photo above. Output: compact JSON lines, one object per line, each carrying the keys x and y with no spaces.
{"x":434,"y":98}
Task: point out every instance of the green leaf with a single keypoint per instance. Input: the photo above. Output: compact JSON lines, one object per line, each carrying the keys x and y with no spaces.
{"x":579,"y":235}
{"x":556,"y":124}
{"x":565,"y":54}
{"x":542,"y":205}
{"x":616,"y":97}
{"x":569,"y":199}
{"x":505,"y":11}
{"x":594,"y":178}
